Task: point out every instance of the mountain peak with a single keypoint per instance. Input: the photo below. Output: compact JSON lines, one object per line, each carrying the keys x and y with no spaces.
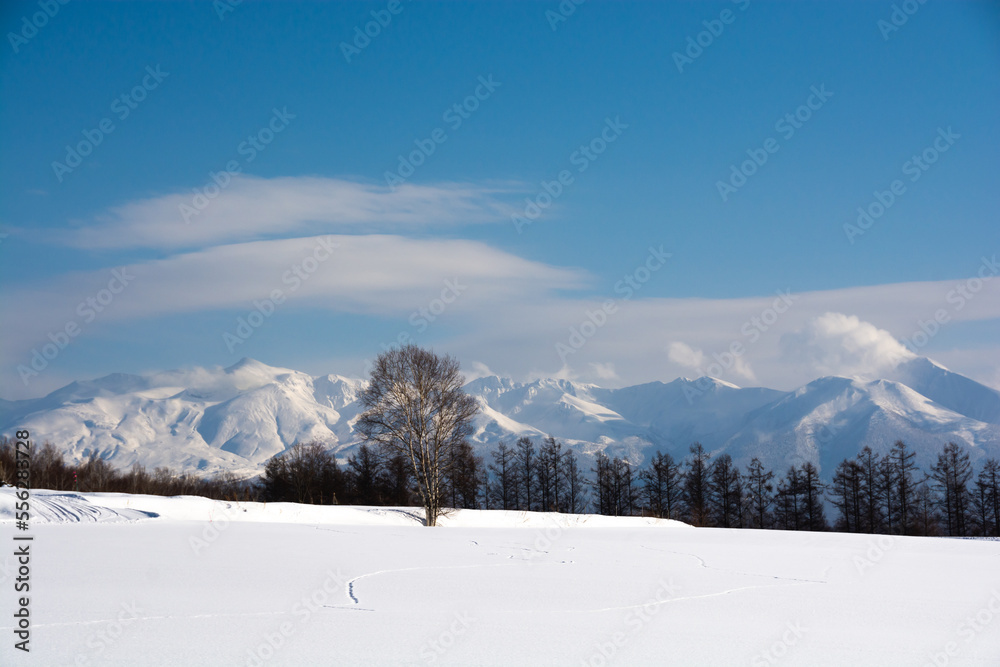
{"x":236,"y":418}
{"x":246,"y":363}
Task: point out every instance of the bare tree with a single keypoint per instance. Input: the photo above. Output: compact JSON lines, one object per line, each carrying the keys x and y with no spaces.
{"x":661,"y":483}
{"x":760,"y":493}
{"x":903,"y":461}
{"x":988,"y":495}
{"x":845,"y":493}
{"x":527,"y":463}
{"x":951,"y":474}
{"x":303,"y":474}
{"x":725,"y":493}
{"x":696,"y":481}
{"x":414,"y":405}
{"x":576,"y":492}
{"x":551,"y":475}
{"x":366,"y":468}
{"x":869,"y":482}
{"x":504,"y":489}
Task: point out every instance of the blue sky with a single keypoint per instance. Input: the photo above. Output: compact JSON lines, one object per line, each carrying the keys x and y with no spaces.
{"x":888,"y":95}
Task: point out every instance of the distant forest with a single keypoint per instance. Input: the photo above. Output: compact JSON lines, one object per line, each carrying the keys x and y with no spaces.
{"x":870,"y":493}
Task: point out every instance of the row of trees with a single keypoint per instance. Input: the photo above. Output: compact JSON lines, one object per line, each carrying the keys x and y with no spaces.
{"x":704,"y":492}
{"x":49,"y":470}
{"x":889,"y":494}
{"x":870,"y":493}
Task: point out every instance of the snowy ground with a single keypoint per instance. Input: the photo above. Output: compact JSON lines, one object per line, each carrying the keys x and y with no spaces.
{"x":141,"y":580}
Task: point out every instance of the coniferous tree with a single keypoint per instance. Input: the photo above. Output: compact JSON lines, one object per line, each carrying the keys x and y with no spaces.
{"x":903,"y":469}
{"x":462,"y":479}
{"x":661,"y":486}
{"x":551,"y":478}
{"x":602,"y":483}
{"x":626,"y":489}
{"x":845,"y":492}
{"x":365,"y":476}
{"x":528,"y":473}
{"x":505,"y":472}
{"x":696,"y":486}
{"x":760,"y":494}
{"x":871,"y":506}
{"x":985,"y":501}
{"x":576,"y":491}
{"x":926,"y":521}
{"x":886,"y":491}
{"x":788,"y":501}
{"x":725,"y":489}
{"x":812,"y":489}
{"x":397,"y":481}
{"x":951,"y":474}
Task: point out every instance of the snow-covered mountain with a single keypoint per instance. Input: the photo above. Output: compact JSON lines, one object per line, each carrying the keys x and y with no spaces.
{"x":238,"y":417}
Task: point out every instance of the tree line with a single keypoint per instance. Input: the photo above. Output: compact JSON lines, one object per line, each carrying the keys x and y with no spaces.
{"x":49,"y":470}
{"x":869,"y":493}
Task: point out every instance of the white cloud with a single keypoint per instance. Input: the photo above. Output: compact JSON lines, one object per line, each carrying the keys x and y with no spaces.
{"x":512,"y":314}
{"x":374,"y":274}
{"x":476,"y":370}
{"x":684,"y":355}
{"x":605,"y":371}
{"x":252,"y":208}
{"x":838,"y":344}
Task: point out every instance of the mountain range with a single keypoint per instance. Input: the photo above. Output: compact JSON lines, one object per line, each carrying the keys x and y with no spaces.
{"x":236,"y":418}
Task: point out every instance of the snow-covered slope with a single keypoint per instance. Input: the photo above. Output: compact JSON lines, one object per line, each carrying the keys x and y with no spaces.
{"x":120,"y":581}
{"x":238,"y":417}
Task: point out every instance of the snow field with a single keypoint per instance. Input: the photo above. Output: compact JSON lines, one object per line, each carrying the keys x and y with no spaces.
{"x":141,"y":580}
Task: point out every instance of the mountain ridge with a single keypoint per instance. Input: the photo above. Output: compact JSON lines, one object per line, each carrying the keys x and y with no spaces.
{"x":235,"y":418}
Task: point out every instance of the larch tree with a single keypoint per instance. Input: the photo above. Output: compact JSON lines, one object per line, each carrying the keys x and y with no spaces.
{"x":503,"y":490}
{"x":696,"y":486}
{"x":952,"y":473}
{"x":760,"y":493}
